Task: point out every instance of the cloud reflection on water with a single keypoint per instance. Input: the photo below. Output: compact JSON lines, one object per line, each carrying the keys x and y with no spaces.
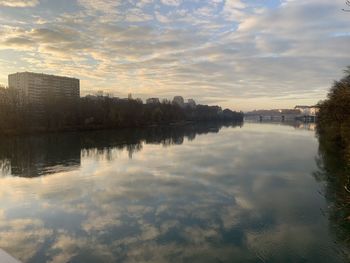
{"x":242,"y":194}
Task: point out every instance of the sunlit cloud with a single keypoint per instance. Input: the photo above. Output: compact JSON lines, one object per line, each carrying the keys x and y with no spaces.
{"x":171,"y":2}
{"x":235,"y":53}
{"x":19,"y":3}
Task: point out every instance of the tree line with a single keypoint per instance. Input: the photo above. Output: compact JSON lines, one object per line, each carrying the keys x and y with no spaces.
{"x":333,"y":120}
{"x":98,"y":112}
{"x":333,"y":130}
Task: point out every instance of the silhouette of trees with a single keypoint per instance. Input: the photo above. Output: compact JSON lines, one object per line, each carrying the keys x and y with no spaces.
{"x":13,"y":111}
{"x":333,"y":129}
{"x":333,"y":122}
{"x":59,"y":113}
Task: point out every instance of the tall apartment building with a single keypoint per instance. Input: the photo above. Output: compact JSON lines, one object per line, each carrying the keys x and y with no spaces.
{"x":38,"y":88}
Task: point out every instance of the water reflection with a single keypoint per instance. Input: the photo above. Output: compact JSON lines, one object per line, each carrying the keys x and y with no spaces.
{"x":334,"y":171}
{"x":311,"y":126}
{"x":32,"y":156}
{"x":39,"y":155}
{"x":239,"y":195}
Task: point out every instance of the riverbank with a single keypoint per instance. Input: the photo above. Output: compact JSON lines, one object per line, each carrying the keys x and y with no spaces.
{"x":333,"y":120}
{"x":41,"y":130}
{"x":94,"y":113}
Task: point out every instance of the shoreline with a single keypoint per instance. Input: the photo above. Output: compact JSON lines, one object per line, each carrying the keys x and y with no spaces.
{"x":43,"y":131}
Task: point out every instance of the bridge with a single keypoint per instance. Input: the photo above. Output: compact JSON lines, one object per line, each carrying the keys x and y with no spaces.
{"x":282,"y":117}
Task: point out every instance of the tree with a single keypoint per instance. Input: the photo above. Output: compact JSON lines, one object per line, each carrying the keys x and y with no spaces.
{"x":333,"y":120}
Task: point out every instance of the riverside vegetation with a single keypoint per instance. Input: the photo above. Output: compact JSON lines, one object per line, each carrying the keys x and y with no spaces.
{"x":333,"y":130}
{"x":333,"y":121}
{"x":98,"y":112}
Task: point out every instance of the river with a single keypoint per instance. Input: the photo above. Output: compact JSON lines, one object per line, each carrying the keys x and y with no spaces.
{"x":202,"y":193}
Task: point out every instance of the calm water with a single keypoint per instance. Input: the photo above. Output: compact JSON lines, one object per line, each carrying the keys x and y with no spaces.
{"x":192,"y":194}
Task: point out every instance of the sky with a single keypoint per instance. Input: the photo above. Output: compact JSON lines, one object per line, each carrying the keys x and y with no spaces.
{"x":241,"y":54}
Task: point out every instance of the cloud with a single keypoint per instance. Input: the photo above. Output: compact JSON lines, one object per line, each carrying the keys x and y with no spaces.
{"x":48,"y":35}
{"x":171,"y":2}
{"x":105,"y":6}
{"x":19,"y":3}
{"x":18,"y":42}
{"x":68,"y":246}
{"x":215,"y":51}
{"x":233,"y":10}
{"x":23,"y":237}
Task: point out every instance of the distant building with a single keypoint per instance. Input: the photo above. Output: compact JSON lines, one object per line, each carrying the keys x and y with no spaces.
{"x":152,"y":101}
{"x":301,"y":107}
{"x":179,"y":100}
{"x":307,"y":110}
{"x":314,"y":110}
{"x":38,"y":88}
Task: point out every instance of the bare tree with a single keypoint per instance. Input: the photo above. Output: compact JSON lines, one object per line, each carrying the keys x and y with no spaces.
{"x":348,"y":4}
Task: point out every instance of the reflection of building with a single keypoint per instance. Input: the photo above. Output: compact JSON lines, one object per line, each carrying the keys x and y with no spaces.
{"x":306,"y":126}
{"x":39,"y":88}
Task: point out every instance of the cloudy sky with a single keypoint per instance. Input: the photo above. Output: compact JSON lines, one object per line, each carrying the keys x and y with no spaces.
{"x":242,"y":54}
